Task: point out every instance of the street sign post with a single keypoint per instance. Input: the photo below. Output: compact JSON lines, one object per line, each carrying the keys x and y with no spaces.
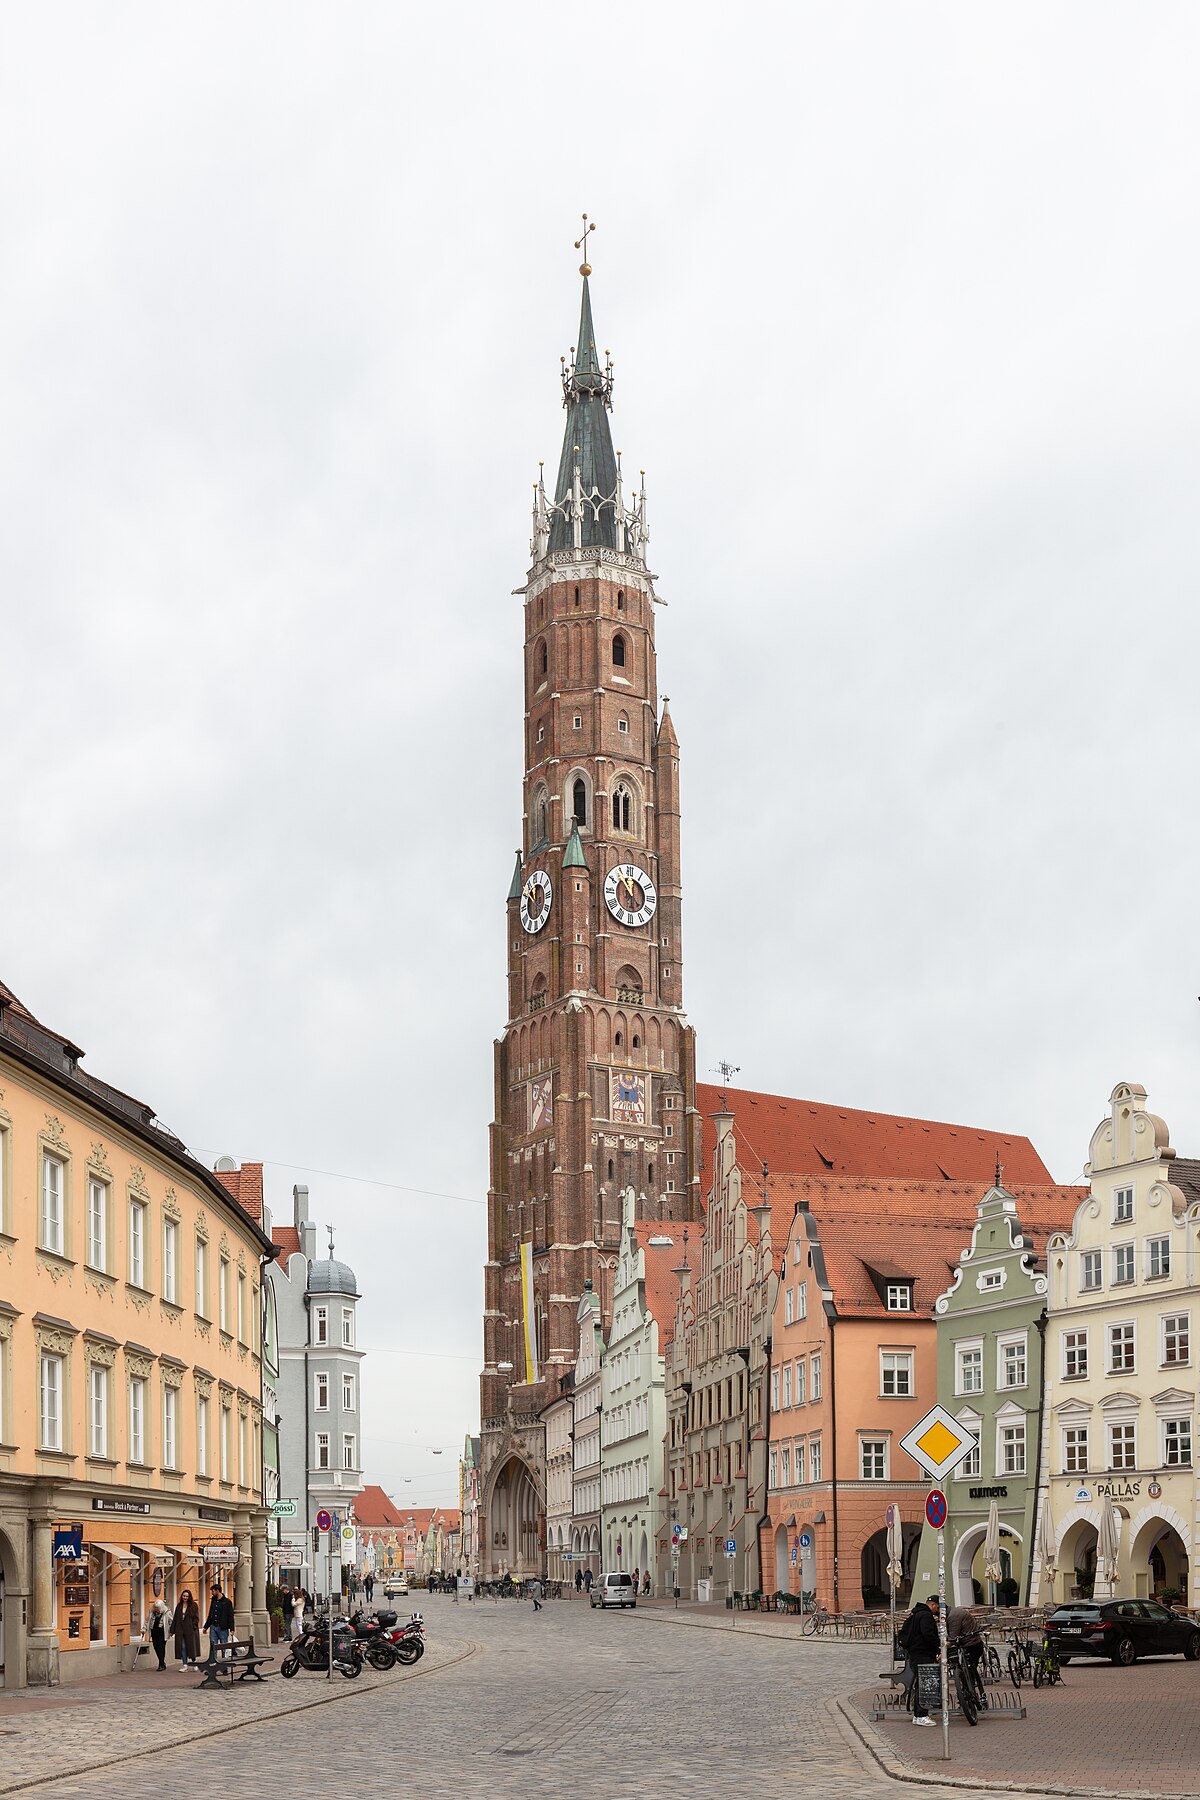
{"x":324,"y":1520}
{"x":939,"y":1444}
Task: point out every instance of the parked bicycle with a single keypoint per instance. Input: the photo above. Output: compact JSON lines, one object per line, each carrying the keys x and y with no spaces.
{"x":816,"y":1621}
{"x":1046,"y":1668}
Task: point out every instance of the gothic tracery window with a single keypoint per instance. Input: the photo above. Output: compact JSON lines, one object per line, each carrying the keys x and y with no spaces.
{"x":618,"y":651}
{"x":621,"y":804}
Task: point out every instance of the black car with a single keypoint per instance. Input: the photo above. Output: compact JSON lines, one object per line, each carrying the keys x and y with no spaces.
{"x":1122,"y":1630}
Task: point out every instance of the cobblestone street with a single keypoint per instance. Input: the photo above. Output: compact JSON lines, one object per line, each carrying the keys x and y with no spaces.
{"x":506,"y":1702}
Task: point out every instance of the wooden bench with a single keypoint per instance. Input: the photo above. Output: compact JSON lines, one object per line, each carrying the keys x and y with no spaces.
{"x":233,"y":1662}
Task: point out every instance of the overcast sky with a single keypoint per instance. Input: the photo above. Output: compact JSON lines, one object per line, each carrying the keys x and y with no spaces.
{"x":903,"y":305}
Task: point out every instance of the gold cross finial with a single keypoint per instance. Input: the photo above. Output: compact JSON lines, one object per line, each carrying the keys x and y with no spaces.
{"x":585,"y":267}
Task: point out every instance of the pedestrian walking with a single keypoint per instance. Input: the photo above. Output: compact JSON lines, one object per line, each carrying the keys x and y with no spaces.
{"x":219,"y":1622}
{"x":637,"y":1579}
{"x":185,"y":1629}
{"x":298,"y":1612}
{"x":646,"y":1582}
{"x":285,"y":1607}
{"x":158,"y":1618}
{"x":919,"y":1640}
{"x":587,"y":1581}
{"x":578,"y":1580}
{"x":535,"y":1594}
{"x":369,"y":1587}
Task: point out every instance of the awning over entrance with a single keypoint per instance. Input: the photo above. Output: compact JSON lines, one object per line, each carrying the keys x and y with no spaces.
{"x":120,"y":1552}
{"x":159,"y":1552}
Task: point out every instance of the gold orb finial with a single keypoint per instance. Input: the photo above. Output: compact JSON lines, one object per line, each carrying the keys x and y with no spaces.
{"x":585,"y":267}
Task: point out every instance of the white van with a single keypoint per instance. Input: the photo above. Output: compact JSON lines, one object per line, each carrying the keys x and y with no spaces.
{"x":614,"y":1590}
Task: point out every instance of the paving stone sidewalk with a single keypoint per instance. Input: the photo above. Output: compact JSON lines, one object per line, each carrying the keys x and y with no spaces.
{"x":84,"y":1726}
{"x":1102,"y":1729}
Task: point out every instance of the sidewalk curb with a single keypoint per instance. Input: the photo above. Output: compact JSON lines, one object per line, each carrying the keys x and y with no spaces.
{"x":663,"y":1617}
{"x":348,"y":1691}
{"x":884,"y":1756}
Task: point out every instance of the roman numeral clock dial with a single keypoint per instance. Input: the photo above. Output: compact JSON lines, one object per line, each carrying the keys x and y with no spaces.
{"x":535,"y":900}
{"x":630,"y":895}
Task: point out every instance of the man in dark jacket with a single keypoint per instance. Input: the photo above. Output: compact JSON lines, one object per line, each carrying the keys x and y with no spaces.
{"x":918,"y":1638}
{"x":219,"y":1622}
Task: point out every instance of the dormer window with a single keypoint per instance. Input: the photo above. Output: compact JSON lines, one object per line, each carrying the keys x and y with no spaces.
{"x":899,"y":1297}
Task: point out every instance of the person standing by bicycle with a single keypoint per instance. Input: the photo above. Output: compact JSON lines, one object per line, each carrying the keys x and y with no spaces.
{"x":962,"y":1626}
{"x":918,"y":1638}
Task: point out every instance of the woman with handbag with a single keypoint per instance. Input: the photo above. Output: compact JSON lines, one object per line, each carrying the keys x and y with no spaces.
{"x":158,"y":1619}
{"x":185,"y":1629}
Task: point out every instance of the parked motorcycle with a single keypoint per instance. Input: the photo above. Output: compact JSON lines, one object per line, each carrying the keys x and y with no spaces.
{"x":310,"y":1651}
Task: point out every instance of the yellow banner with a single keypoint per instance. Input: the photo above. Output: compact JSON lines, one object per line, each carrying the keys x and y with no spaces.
{"x":531,"y":1361}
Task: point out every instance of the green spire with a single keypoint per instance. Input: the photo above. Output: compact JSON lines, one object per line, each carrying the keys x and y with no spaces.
{"x":573,"y":857}
{"x":514,"y":886}
{"x":587,"y":443}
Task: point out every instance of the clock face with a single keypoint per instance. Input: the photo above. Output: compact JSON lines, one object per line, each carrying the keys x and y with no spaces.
{"x":535,"y":900}
{"x":629,"y":894}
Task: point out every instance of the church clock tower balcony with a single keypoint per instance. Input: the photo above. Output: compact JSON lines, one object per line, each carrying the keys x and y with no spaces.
{"x":595,"y":1069}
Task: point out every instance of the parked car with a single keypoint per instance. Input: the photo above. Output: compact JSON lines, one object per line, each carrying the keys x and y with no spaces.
{"x":614,"y":1590}
{"x":395,"y":1587}
{"x":1122,"y":1630}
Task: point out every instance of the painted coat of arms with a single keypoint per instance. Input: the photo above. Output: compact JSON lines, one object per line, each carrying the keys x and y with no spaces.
{"x":627,"y":1099}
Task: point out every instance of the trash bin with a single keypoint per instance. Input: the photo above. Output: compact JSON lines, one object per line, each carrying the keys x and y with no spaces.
{"x":704,"y":1592}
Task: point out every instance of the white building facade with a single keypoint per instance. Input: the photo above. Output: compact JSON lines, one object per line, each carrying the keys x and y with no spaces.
{"x":585,"y":1479}
{"x":633,"y":1403}
{"x":1124,"y":1306}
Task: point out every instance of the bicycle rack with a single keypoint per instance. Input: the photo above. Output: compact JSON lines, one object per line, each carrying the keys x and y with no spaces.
{"x":1003,"y":1703}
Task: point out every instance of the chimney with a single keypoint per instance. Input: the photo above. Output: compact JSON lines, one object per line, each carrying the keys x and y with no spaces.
{"x":306,"y":1231}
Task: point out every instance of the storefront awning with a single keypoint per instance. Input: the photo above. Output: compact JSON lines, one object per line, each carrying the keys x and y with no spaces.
{"x":122,"y":1552}
{"x":158,"y":1552}
{"x":186,"y":1554}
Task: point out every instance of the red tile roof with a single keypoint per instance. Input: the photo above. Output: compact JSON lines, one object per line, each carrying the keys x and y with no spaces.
{"x":288,"y":1239}
{"x":919,"y":1228}
{"x":373,"y":1509}
{"x":662,"y":1287}
{"x":246,"y":1187}
{"x":808,"y":1137}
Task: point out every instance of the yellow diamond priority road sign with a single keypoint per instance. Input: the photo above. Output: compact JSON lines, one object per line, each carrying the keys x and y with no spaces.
{"x":939,"y":1443}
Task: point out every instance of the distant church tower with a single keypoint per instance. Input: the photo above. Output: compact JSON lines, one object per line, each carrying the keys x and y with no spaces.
{"x":595,"y":1070}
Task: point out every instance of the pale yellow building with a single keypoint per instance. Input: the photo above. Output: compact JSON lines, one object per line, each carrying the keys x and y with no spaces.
{"x":130,"y":1384}
{"x":1123,"y":1309}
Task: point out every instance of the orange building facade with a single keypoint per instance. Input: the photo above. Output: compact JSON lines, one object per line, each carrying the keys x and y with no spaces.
{"x":854,"y":1367}
{"x":130,"y":1383}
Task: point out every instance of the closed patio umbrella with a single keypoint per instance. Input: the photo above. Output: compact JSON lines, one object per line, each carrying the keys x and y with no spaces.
{"x":895,"y":1547}
{"x":1108,"y":1534}
{"x":1049,"y":1545}
{"x":991,"y":1549}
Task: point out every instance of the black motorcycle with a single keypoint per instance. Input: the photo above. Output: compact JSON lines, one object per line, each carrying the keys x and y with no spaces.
{"x":375,"y":1636}
{"x":311,"y":1651}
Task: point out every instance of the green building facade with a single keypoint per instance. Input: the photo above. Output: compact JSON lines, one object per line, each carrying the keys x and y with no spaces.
{"x":990,"y":1337}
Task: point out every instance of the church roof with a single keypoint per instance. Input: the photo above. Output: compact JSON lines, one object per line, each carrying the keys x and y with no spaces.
{"x":809,"y":1137}
{"x":587,"y":443}
{"x":514,"y":886}
{"x":573,"y":857}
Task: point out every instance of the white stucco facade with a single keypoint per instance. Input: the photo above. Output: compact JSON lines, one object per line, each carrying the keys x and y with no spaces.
{"x":1120,"y":1364}
{"x":633,"y":1410}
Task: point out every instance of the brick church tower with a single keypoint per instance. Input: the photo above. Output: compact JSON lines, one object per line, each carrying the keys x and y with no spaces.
{"x":595,"y":1071}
